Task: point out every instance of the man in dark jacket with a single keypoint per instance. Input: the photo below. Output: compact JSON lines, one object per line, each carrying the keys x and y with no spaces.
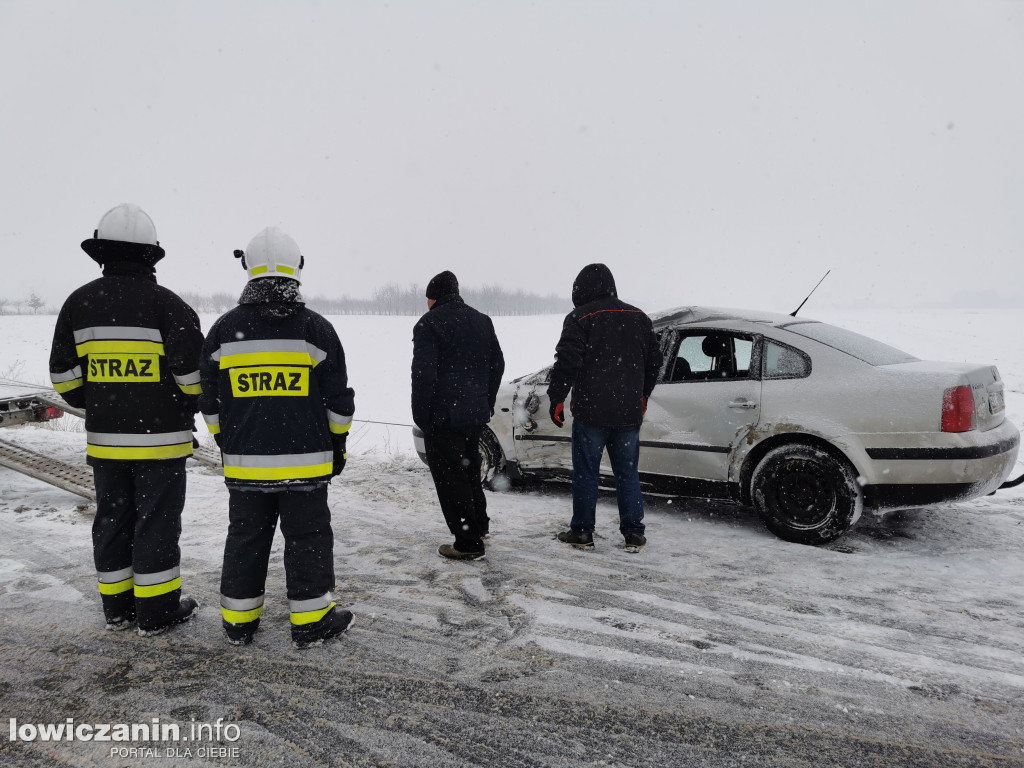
{"x":609,"y":357}
{"x":277,"y":400}
{"x":456,"y":371}
{"x":127,"y":350}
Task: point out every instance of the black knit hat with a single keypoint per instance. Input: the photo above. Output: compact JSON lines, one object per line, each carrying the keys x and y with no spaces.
{"x":443,"y":284}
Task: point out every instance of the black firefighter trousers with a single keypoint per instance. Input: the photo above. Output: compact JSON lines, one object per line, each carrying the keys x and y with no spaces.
{"x":453,"y":455}
{"x":308,"y":554}
{"x":135,"y":538}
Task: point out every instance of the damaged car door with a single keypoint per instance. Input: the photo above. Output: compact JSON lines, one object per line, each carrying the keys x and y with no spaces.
{"x":710,"y":391}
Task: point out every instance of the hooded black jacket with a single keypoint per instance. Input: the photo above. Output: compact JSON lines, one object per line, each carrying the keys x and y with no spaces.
{"x":607,"y":355}
{"x":275,"y":388}
{"x":456,"y":366}
{"x":127,"y":350}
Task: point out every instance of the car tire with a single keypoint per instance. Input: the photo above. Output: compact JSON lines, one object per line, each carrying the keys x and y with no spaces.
{"x":492,"y":462}
{"x":805,"y":495}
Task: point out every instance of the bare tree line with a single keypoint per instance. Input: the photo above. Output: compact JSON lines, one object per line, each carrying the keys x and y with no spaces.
{"x":395,"y":299}
{"x":33,"y":304}
{"x":389,"y":299}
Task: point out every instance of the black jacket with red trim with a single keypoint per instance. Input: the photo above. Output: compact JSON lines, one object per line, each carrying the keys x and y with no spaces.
{"x":608,"y":355}
{"x":127,"y":350}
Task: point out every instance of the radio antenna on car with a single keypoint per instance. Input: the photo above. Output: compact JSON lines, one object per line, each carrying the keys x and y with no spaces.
{"x":793,"y":313}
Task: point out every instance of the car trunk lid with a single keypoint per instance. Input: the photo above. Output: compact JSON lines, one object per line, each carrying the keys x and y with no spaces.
{"x":984,"y":381}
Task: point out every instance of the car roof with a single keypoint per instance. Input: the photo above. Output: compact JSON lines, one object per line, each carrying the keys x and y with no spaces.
{"x":689,"y":315}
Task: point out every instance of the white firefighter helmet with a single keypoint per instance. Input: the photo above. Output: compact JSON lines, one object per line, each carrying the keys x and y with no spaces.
{"x":127,"y":223}
{"x":272,"y":253}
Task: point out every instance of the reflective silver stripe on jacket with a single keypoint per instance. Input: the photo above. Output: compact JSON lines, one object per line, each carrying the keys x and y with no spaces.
{"x":151,"y":439}
{"x":74,"y":373}
{"x":269,"y":345}
{"x":151,"y":579}
{"x":112,"y":577}
{"x":243,"y":604}
{"x":313,"y":604}
{"x":337,"y":418}
{"x":188,"y":379}
{"x":284,"y":460}
{"x":119,"y":332}
{"x":211,"y":420}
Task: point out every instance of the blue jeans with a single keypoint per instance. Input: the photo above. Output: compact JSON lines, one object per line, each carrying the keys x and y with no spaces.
{"x":623,"y":444}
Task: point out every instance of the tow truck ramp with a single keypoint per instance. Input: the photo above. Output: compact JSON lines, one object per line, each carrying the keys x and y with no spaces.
{"x":76,"y":479}
{"x":25,"y":398}
{"x":71,"y":478}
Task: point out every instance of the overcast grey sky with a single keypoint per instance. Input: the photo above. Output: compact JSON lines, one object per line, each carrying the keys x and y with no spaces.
{"x":709,"y":152}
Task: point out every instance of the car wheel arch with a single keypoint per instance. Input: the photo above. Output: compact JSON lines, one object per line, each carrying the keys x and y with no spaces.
{"x":754,"y":456}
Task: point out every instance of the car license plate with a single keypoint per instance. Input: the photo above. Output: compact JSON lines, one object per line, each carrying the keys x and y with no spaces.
{"x":995,"y":402}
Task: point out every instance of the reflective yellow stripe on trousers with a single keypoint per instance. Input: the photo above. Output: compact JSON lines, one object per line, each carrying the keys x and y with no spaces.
{"x":115,"y":582}
{"x":310,"y":611}
{"x":241,"y":611}
{"x":154,"y":584}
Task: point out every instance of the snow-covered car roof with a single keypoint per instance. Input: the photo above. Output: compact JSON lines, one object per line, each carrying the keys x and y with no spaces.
{"x":684,"y":315}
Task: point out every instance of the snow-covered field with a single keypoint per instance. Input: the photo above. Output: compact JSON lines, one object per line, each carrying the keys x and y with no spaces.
{"x":901,"y":644}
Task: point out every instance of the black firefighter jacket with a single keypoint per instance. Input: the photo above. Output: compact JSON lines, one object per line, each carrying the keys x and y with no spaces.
{"x":607,"y":355}
{"x":275,"y":389}
{"x":456,"y":366}
{"x":127,"y":350}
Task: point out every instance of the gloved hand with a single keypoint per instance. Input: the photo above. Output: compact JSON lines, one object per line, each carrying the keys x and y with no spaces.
{"x":557,"y":414}
{"x":216,"y":438}
{"x":340,"y":454}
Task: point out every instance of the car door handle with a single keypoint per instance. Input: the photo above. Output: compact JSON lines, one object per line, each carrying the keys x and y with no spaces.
{"x":740,"y":403}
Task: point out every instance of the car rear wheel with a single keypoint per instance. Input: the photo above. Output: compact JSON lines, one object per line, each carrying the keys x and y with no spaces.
{"x":805,"y":495}
{"x":492,"y":462}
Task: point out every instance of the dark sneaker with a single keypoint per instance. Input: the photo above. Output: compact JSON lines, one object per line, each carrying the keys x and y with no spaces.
{"x":118,"y":623}
{"x":449,"y":551}
{"x":186,"y":610}
{"x":583,"y":540}
{"x":634,"y":541}
{"x":240,"y":634}
{"x":333,"y":623}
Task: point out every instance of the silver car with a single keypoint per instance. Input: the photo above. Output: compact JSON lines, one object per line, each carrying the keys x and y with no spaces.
{"x":809,"y":423}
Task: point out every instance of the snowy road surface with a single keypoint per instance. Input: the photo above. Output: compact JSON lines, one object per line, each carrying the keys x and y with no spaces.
{"x":901,"y":644}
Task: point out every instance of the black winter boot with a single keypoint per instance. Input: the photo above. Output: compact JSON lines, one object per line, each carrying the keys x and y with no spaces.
{"x":449,"y":551}
{"x":117,"y":623}
{"x":185,"y":611}
{"x":583,"y":540}
{"x":240,"y":634}
{"x":331,"y":625}
{"x":634,"y":541}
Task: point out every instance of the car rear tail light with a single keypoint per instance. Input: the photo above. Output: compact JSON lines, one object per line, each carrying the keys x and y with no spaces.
{"x":45,"y":414}
{"x":958,"y":410}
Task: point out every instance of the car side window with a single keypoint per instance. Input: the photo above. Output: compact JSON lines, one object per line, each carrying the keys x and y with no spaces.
{"x":782,"y":362}
{"x":710,"y":356}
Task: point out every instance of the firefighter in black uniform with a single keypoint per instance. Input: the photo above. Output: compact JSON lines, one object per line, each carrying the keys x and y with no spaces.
{"x":277,"y":400}
{"x":127,"y":350}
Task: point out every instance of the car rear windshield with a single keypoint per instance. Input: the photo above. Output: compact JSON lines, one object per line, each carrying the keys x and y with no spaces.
{"x":870,"y":351}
